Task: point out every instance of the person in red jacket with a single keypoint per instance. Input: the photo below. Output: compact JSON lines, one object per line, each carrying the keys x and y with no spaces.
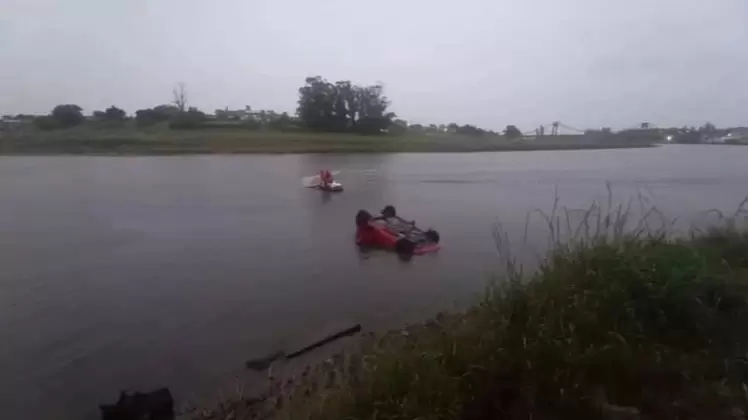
{"x":325,"y":178}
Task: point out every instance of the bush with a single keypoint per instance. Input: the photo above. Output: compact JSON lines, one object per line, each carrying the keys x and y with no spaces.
{"x":68,"y":115}
{"x":146,"y":117}
{"x":155,"y":115}
{"x":62,"y":116}
{"x":512,"y":132}
{"x":115,"y":114}
{"x":46,"y":123}
{"x":193,"y":118}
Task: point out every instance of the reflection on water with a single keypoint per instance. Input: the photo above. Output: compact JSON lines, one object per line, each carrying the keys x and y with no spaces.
{"x":142,"y":272}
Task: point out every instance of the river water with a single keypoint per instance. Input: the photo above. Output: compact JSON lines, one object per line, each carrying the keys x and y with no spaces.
{"x":140,"y":272}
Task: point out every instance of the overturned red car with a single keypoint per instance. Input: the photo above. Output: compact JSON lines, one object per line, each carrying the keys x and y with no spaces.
{"x":391,"y":232}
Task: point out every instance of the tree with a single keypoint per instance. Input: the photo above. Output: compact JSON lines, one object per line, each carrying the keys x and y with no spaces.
{"x":398,"y":127}
{"x":470,"y":130}
{"x":111,"y":114}
{"x":155,"y":115}
{"x":145,"y":116}
{"x":416,"y":128}
{"x":68,"y":115}
{"x":115,"y":114}
{"x":645,"y":126}
{"x":512,"y":132}
{"x":192,"y":118}
{"x":315,"y":106}
{"x":343,"y":106}
{"x":180,"y":97}
{"x":166,"y":112}
{"x":708,"y":129}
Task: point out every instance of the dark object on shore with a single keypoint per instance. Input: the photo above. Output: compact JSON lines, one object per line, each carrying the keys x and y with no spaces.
{"x":263,"y":362}
{"x":345,"y":333}
{"x":156,"y":405}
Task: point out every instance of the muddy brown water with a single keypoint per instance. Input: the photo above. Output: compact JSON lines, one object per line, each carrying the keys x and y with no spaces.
{"x":141,"y":272}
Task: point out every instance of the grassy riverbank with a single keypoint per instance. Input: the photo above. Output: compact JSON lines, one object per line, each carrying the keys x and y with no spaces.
{"x":616,"y":327}
{"x":644,"y":327}
{"x":160,"y":140}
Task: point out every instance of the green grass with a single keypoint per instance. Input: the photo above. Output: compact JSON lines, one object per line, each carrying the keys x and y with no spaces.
{"x":619,"y":323}
{"x":130,"y":139}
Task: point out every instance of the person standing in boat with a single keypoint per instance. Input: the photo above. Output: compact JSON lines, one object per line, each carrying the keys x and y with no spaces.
{"x":325,"y":178}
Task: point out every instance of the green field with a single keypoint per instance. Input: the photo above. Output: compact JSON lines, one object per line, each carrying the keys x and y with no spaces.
{"x":160,"y":140}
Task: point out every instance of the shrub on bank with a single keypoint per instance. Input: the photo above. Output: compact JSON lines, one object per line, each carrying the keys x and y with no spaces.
{"x":46,"y":123}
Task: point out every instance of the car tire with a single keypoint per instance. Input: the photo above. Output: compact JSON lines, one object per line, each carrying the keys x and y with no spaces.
{"x":405,"y":247}
{"x":432,"y":236}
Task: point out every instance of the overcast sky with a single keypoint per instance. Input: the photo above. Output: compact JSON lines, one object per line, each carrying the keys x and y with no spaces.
{"x":587,"y":63}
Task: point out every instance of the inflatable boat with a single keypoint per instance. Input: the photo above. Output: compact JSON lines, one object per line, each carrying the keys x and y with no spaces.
{"x":334,"y":186}
{"x":316,"y":181}
{"x":391,"y":232}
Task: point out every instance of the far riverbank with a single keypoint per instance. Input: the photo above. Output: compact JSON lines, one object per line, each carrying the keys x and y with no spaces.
{"x":162,"y":141}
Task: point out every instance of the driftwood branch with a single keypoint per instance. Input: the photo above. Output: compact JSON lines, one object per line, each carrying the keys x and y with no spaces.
{"x":264,"y":362}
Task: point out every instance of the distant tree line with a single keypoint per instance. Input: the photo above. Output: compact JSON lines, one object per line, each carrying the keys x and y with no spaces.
{"x":326,"y":106}
{"x":401,"y":127}
{"x":647,"y":133}
{"x":691,"y":135}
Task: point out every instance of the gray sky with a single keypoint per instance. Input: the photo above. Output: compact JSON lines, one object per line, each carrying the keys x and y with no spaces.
{"x":588,"y":63}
